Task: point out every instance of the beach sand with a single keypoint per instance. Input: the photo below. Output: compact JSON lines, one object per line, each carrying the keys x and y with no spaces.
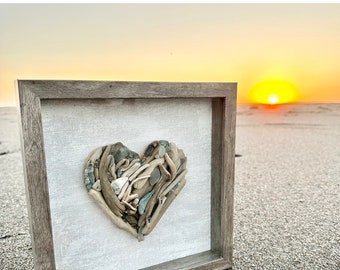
{"x":286,"y":213}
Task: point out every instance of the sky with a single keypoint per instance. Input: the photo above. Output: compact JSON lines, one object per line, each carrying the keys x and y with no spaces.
{"x":250,"y":44}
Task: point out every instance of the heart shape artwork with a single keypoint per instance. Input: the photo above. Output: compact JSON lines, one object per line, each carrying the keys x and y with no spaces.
{"x":135,"y":191}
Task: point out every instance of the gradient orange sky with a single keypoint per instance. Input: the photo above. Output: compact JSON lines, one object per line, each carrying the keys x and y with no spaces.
{"x":244,"y":43}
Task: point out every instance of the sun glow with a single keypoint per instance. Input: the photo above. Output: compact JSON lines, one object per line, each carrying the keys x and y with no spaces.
{"x":274,"y":92}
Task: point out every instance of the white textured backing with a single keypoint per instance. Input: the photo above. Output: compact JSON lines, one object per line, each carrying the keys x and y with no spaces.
{"x":84,"y":238}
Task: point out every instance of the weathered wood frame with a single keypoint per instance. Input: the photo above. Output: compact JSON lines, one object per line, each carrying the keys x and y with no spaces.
{"x":223,"y":95}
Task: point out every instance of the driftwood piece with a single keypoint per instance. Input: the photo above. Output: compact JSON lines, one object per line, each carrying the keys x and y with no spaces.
{"x":98,"y":198}
{"x":155,"y":218}
{"x":108,"y":193}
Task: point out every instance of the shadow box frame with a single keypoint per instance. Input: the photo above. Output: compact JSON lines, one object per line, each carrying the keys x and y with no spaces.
{"x":223,"y":98}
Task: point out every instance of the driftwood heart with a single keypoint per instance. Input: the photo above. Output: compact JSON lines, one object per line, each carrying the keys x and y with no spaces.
{"x":135,"y":191}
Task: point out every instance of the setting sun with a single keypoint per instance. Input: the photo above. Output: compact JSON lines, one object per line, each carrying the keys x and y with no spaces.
{"x":273,"y":99}
{"x":274,"y":92}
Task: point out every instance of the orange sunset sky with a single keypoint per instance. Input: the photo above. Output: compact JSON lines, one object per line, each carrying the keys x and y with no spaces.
{"x":291,"y":47}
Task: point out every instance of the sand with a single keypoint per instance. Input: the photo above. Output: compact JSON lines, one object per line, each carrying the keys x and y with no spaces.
{"x":286,"y":189}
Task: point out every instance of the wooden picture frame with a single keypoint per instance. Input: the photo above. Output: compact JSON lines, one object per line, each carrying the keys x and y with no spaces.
{"x":223,"y":100}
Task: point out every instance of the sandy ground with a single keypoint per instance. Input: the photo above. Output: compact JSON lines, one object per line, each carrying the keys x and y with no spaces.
{"x":286,"y":189}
